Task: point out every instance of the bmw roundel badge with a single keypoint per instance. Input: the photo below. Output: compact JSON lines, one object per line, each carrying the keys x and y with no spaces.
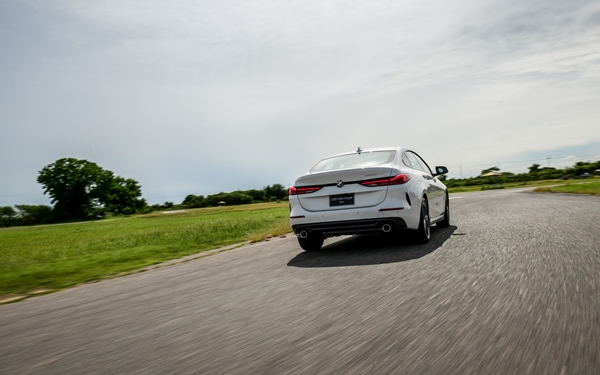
{"x":340,"y":183}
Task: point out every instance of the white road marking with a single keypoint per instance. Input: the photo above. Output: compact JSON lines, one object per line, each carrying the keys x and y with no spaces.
{"x":454,"y":197}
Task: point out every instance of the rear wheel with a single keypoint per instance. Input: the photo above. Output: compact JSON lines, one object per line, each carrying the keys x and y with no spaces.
{"x":311,"y":243}
{"x":445,"y":223}
{"x":424,"y":232}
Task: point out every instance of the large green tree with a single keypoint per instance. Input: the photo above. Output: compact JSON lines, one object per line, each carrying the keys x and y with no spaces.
{"x":78,"y":187}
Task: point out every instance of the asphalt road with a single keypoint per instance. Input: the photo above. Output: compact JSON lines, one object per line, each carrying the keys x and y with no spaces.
{"x":512,"y":287}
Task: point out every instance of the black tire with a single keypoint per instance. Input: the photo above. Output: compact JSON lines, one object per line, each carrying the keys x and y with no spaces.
{"x":445,"y":223}
{"x":424,"y":232}
{"x":311,"y":243}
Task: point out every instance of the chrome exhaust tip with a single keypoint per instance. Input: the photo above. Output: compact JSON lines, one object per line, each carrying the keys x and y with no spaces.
{"x":386,"y":228}
{"x":303,"y":234}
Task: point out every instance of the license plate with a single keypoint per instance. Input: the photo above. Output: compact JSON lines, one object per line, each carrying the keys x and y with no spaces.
{"x":341,"y":200}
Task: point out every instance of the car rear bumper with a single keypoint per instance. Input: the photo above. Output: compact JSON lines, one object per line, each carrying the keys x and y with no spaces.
{"x":339,"y":228}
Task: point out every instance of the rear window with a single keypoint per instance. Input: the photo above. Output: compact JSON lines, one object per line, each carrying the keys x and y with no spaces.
{"x":364,"y":159}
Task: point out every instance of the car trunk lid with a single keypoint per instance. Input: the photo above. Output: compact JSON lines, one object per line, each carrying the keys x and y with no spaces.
{"x":341,"y":189}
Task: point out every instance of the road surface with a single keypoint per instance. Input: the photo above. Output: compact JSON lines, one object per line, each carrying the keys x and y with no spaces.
{"x":512,"y":287}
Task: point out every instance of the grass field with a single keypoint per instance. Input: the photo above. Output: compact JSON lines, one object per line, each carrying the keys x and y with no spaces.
{"x":573,"y":187}
{"x":54,"y":257}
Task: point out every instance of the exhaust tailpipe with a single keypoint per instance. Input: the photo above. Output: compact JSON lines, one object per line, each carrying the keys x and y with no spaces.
{"x":386,"y":228}
{"x":303,"y":234}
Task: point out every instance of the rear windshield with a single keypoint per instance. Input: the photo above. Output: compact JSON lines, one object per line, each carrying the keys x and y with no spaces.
{"x":364,"y":159}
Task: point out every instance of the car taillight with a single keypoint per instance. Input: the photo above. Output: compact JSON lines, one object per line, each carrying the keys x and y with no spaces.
{"x":303,"y":190}
{"x":402,"y":178}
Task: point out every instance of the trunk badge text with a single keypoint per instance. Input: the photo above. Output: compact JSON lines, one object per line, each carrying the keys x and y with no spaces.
{"x":340,"y":183}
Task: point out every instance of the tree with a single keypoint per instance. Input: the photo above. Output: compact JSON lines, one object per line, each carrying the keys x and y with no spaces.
{"x":193,"y":201}
{"x":7,"y":216}
{"x":123,"y":196}
{"x":276,"y":192}
{"x":233,"y":198}
{"x":257,"y":195}
{"x":32,"y":214}
{"x":534,"y":168}
{"x":78,"y":187}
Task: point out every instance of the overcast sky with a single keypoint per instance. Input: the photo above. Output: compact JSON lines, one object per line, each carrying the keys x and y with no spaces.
{"x":198,"y":97}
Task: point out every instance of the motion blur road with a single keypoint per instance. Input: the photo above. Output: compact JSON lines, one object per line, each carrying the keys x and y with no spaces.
{"x":512,"y":287}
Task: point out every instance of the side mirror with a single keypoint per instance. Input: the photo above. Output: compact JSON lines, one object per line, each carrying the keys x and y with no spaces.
{"x":440,"y":170}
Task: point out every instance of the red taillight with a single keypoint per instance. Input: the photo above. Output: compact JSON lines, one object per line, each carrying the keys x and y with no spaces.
{"x":400,"y":179}
{"x":382,"y":182}
{"x":303,"y":190}
{"x":396,"y":180}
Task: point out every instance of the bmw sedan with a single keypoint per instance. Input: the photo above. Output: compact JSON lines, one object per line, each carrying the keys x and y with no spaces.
{"x":368,"y":191}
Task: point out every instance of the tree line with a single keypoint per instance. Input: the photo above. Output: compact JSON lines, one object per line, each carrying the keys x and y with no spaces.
{"x":82,"y":190}
{"x":536,"y":172}
{"x":277,"y":192}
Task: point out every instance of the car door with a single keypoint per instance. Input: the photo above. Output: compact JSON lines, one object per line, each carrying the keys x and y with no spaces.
{"x":435,"y":190}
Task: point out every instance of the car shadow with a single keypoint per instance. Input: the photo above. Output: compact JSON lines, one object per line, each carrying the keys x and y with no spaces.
{"x":362,"y":250}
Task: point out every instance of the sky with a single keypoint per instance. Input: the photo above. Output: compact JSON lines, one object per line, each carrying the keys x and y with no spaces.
{"x":199,"y":97}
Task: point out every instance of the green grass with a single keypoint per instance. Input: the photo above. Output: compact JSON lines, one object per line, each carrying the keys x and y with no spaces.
{"x":573,"y":187}
{"x":54,"y":257}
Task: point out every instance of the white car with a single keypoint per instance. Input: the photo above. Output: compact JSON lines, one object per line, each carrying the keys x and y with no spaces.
{"x":368,"y":191}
